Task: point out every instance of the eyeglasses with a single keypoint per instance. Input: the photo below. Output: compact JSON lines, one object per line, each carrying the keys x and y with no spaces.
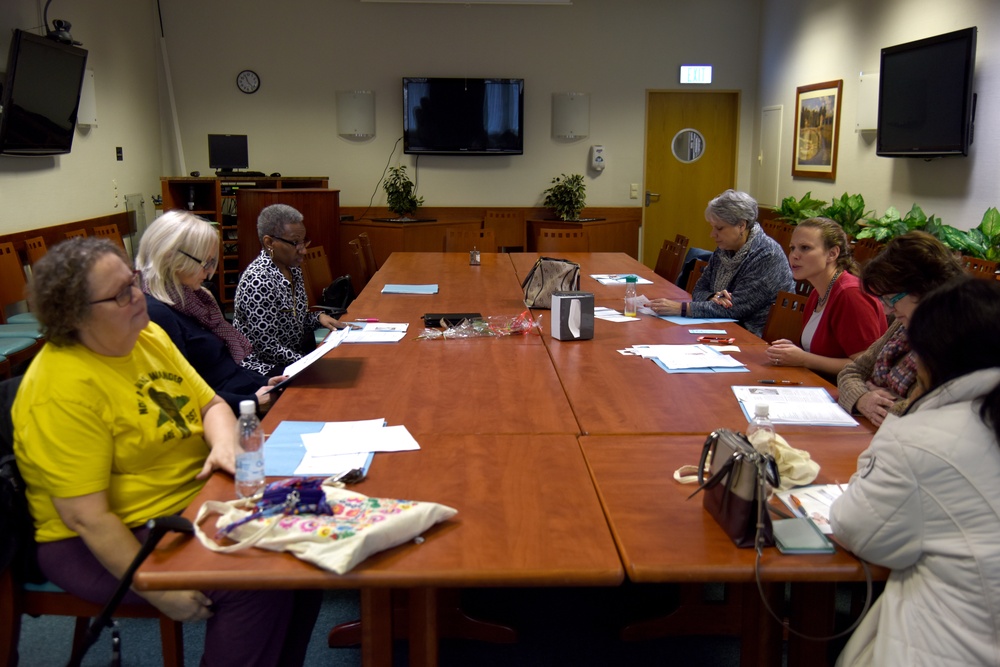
{"x":207,"y":265}
{"x":891,"y":303}
{"x":124,"y":297}
{"x":298,"y":245}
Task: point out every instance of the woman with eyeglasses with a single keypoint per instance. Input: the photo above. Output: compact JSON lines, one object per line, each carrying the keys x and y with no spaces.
{"x":925,"y":500}
{"x":271,"y":307}
{"x":112,"y":428}
{"x":883,"y":379}
{"x":178,"y":252}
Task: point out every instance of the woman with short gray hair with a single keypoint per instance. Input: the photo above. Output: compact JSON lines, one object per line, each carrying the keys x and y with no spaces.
{"x":744,"y":274}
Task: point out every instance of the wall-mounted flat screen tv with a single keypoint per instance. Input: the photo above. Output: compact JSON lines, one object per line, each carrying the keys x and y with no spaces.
{"x":227,"y":152}
{"x":926,"y":105}
{"x":41,"y":96}
{"x":453,"y":116}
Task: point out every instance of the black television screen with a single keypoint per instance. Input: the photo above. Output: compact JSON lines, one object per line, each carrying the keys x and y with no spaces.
{"x":925,"y":103}
{"x":41,"y":96}
{"x":463,"y":116}
{"x":228,"y":151}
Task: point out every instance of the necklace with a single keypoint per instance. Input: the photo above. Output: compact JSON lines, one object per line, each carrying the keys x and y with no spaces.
{"x":822,"y":302}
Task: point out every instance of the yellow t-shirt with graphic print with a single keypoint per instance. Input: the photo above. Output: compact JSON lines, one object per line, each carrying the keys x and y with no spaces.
{"x":130,"y":426}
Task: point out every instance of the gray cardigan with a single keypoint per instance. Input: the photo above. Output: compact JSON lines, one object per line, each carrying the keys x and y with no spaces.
{"x":763,"y":273}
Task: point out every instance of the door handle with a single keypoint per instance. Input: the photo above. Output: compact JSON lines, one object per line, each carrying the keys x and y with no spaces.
{"x":651,"y":197}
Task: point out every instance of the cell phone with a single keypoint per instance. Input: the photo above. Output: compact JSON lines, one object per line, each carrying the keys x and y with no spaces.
{"x":716,"y":340}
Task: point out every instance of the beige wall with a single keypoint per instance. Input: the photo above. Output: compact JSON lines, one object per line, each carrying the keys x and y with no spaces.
{"x":811,"y":41}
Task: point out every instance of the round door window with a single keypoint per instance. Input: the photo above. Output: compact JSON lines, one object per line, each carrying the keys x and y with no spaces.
{"x":688,"y":145}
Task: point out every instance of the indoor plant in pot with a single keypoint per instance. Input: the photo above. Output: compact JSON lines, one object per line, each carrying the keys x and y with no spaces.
{"x":399,"y":193}
{"x":567,"y":196}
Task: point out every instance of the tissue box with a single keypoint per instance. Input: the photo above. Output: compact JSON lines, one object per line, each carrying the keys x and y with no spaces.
{"x":572,"y":315}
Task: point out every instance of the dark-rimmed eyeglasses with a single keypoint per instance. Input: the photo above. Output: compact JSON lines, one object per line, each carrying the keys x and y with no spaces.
{"x":208,"y":265}
{"x":124,"y":297}
{"x":890,"y":303}
{"x":298,"y":245}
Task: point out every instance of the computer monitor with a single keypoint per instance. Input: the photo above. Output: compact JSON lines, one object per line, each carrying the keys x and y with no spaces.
{"x":227,"y":152}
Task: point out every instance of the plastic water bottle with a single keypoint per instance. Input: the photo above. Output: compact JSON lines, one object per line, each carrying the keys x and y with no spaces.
{"x":191,"y":198}
{"x":760,"y":432}
{"x":249,"y":452}
{"x":630,"y":299}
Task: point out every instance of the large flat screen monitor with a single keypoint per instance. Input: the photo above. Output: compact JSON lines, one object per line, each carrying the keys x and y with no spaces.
{"x":450,"y":116}
{"x":41,"y":96}
{"x":926,"y":105}
{"x":227,"y":152}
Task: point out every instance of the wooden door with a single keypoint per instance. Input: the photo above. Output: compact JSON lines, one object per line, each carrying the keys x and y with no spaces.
{"x":685,"y":188}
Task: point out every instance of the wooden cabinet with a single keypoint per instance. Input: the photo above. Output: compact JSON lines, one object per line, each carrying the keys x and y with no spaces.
{"x":215,"y":200}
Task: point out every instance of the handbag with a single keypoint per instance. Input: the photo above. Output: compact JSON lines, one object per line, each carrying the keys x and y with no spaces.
{"x":549,"y":275}
{"x":336,"y":532}
{"x":736,"y":489}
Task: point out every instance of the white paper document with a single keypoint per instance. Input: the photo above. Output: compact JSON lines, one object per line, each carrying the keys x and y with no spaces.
{"x":618,"y":278}
{"x":337,"y":438}
{"x":612,"y":315}
{"x":410,"y":289}
{"x":335,"y":338}
{"x":811,"y":406}
{"x":686,"y":357}
{"x":813,"y":503}
{"x":378,"y":332}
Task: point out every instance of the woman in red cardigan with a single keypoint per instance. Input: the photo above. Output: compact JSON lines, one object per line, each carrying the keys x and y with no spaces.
{"x":840,"y":319}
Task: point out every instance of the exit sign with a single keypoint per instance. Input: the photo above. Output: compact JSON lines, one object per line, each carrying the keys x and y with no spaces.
{"x":696,"y":74}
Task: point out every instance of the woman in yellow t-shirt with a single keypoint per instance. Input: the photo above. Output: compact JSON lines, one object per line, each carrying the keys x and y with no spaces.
{"x":113,"y":427}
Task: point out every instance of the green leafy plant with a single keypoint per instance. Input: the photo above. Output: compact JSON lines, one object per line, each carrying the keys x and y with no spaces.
{"x":990,"y":229}
{"x":794,"y":210}
{"x":399,"y":192}
{"x":891,"y":225}
{"x":567,"y":196}
{"x":849,"y":211}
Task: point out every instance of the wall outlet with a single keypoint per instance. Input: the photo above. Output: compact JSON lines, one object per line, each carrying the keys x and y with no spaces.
{"x":633,"y":191}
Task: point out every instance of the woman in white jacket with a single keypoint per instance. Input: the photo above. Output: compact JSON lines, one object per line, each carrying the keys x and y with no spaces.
{"x":925,"y":500}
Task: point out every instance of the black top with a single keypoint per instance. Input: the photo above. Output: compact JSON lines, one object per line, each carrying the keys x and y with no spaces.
{"x":208,"y":353}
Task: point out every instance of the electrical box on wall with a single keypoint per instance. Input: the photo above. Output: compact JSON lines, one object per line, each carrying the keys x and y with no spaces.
{"x":867,"y":103}
{"x":597,"y":158}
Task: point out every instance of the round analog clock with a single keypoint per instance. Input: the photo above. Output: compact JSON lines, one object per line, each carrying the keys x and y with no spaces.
{"x":248,"y":81}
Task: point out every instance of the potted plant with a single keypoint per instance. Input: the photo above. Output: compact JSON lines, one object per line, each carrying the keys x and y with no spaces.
{"x":849,"y":211}
{"x":399,"y":193}
{"x":567,"y":196}
{"x":793,"y":211}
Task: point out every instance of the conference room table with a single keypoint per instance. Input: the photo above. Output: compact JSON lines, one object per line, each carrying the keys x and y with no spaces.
{"x":545,"y":448}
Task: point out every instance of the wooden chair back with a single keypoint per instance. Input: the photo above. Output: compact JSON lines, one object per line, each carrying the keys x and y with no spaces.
{"x":12,"y":279}
{"x":980,"y":268}
{"x":670,"y":261}
{"x":111,"y":233}
{"x":699,"y":268}
{"x":803,"y":287}
{"x":35,"y":249}
{"x":360,"y":275}
{"x":779,"y":231}
{"x":508,"y":228}
{"x":464,"y":240}
{"x":785,"y":318}
{"x":75,"y":232}
{"x":316,"y":272}
{"x":562,"y":240}
{"x":865,"y":249}
{"x":366,"y":248}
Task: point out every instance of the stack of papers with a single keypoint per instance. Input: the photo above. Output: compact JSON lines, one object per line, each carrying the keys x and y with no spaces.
{"x":377,"y":332}
{"x":335,"y":338}
{"x":618,"y":278}
{"x":811,"y":406}
{"x":328,"y":448}
{"x":813,"y":503}
{"x":612,"y":315}
{"x":689,"y":358}
{"x":410,"y":289}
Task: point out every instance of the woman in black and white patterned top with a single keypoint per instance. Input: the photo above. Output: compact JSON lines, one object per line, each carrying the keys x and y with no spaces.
{"x":271,"y":306}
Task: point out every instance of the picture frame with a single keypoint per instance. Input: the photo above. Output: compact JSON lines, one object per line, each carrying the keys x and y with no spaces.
{"x":817,"y":130}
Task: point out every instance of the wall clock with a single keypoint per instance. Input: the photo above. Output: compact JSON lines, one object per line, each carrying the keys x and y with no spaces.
{"x":248,"y":81}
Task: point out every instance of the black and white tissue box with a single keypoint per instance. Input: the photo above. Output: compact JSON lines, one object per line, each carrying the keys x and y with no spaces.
{"x":572,"y":315}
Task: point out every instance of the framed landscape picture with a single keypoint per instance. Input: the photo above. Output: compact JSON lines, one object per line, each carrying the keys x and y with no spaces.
{"x":817,"y":130}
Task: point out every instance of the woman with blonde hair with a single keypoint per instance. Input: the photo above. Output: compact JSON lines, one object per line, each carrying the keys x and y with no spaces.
{"x":840,"y":320}
{"x":178,"y":252}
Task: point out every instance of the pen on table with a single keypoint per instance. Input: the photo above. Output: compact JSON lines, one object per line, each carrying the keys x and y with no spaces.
{"x":778,"y":382}
{"x":366,"y":319}
{"x":798,"y":506}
